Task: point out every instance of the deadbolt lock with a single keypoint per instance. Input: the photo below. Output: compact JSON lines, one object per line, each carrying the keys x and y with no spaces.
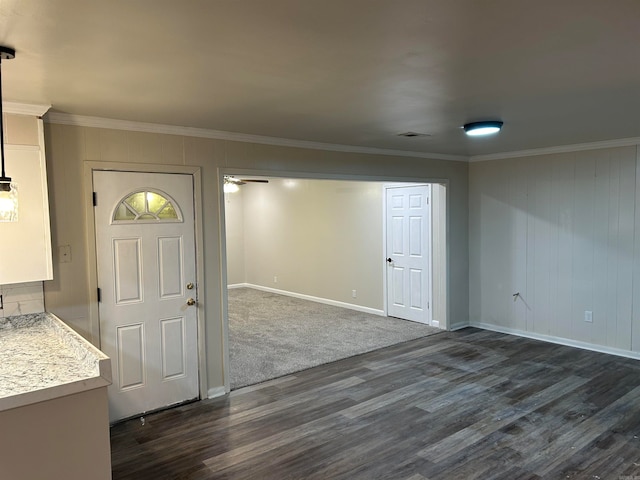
{"x":190,"y":286}
{"x":191,"y":301}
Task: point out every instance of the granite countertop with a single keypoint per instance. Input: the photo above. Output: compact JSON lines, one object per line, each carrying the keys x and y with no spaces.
{"x":41,"y":358}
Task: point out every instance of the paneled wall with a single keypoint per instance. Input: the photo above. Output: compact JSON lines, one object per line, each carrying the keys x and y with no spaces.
{"x":561,"y":231}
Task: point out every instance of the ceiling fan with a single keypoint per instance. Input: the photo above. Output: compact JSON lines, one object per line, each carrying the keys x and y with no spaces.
{"x":232,"y":184}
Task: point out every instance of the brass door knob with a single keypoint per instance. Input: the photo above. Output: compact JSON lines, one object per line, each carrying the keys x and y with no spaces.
{"x":191,"y":301}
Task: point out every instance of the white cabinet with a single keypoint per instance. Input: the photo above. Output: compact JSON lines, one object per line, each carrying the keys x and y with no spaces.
{"x":25,"y":245}
{"x":63,"y":438}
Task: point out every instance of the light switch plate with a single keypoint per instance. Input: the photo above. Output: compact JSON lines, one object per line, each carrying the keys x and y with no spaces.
{"x":64,"y":253}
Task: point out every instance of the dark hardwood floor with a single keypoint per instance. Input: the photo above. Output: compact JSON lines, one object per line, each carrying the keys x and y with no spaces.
{"x":460,"y":405}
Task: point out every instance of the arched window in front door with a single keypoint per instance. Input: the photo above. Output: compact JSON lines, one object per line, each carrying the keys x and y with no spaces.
{"x":147,"y":205}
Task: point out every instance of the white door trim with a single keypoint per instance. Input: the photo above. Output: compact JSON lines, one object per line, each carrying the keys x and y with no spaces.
{"x":92,"y":257}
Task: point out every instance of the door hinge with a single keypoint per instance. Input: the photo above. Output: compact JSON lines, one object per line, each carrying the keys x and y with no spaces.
{"x":99,"y":295}
{"x":95,"y":199}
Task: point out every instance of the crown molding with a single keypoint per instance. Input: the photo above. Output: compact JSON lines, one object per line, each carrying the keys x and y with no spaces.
{"x":98,"y":122}
{"x":114,"y":124}
{"x":621,"y":142}
{"x":25,"y":108}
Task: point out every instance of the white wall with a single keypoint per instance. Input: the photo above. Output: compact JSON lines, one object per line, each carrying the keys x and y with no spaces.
{"x":562,"y":231}
{"x":318,"y":237}
{"x":234,"y":229}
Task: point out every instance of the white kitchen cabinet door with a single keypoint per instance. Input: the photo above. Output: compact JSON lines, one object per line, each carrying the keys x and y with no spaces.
{"x":25,"y":245}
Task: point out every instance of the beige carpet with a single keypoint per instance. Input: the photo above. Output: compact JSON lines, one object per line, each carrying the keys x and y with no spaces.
{"x":273,"y":335}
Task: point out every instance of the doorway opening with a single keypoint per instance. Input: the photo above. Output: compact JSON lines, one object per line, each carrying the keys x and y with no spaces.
{"x":415,"y":251}
{"x":320,"y":241}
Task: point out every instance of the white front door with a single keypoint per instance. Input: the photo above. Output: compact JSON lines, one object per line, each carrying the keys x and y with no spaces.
{"x":146,"y":275}
{"x":408,"y":220}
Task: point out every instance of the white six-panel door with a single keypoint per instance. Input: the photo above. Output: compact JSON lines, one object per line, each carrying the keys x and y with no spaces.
{"x":408,"y":243}
{"x":146,"y":275}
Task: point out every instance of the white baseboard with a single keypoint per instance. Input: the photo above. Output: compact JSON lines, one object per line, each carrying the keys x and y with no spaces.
{"x":326,"y":301}
{"x":216,"y":392}
{"x":458,"y":326}
{"x":558,"y":340}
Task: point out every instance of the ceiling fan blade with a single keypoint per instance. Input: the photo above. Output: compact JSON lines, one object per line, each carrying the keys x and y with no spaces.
{"x":236,"y":181}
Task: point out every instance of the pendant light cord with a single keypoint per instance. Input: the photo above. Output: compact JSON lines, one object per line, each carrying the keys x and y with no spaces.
{"x":4,"y":176}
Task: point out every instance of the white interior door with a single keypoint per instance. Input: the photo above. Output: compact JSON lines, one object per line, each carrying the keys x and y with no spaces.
{"x":408,"y":244}
{"x":146,"y":275}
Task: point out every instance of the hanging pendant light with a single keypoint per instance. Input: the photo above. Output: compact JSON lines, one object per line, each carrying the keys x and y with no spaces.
{"x":8,"y":189}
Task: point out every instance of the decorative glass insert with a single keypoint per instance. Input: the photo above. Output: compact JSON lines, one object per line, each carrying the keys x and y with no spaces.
{"x":9,"y":204}
{"x":147,"y":206}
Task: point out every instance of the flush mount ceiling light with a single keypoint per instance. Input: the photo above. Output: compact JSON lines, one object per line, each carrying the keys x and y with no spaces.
{"x":478,"y":129}
{"x":8,"y":190}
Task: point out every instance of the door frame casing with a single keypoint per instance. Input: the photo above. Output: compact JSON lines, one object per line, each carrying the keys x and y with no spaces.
{"x":315,"y":175}
{"x":92,"y":255}
{"x":385,"y":284}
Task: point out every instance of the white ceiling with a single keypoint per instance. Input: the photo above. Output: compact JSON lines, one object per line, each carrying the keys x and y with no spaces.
{"x":350,"y":72}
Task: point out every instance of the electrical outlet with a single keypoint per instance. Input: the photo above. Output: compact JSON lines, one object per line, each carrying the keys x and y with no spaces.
{"x":275,"y":279}
{"x":588,"y":316}
{"x":354,"y":294}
